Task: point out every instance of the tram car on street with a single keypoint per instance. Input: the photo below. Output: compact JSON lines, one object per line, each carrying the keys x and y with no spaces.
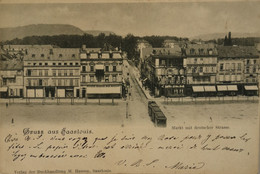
{"x":156,"y":114}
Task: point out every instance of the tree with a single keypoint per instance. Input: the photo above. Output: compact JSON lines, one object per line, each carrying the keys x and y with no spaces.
{"x":130,"y":45}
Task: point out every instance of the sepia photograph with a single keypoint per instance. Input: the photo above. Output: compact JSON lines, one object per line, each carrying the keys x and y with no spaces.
{"x":129,"y":87}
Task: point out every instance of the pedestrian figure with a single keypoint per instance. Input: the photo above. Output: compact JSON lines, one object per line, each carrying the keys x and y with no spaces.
{"x":6,"y":104}
{"x":12,"y":121}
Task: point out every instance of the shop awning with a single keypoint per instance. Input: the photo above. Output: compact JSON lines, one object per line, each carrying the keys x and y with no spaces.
{"x":251,"y":88}
{"x":222,"y":88}
{"x":197,"y":88}
{"x":210,"y":88}
{"x":99,"y":67}
{"x":104,"y":90}
{"x":3,"y":89}
{"x":232,"y":87}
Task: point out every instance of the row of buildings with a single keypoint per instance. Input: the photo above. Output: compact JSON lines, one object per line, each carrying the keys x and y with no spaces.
{"x":62,"y":73}
{"x":200,"y":70}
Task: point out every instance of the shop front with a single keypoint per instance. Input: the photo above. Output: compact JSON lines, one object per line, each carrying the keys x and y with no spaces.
{"x":3,"y":92}
{"x":198,"y":91}
{"x":104,"y":91}
{"x":210,"y":91}
{"x":251,"y":90}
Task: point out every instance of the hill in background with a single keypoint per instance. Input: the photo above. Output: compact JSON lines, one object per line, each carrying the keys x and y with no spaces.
{"x":44,"y":29}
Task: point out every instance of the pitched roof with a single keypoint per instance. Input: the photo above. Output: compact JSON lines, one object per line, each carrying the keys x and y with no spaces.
{"x":237,"y":52}
{"x":161,"y":51}
{"x":52,"y":54}
{"x":11,"y":65}
{"x":201,"y":50}
{"x":19,"y":47}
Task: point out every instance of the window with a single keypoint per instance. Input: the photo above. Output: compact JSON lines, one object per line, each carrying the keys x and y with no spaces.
{"x":71,"y":63}
{"x":76,"y":63}
{"x":71,"y":72}
{"x":194,"y":70}
{"x":60,"y":55}
{"x":71,"y":82}
{"x":91,"y":68}
{"x":40,"y":64}
{"x":29,"y":72}
{"x":114,"y":68}
{"x":40,"y":82}
{"x":106,"y":78}
{"x":34,"y":64}
{"x":195,"y":60}
{"x":33,"y":55}
{"x":29,"y":82}
{"x":254,"y":62}
{"x":107,"y":68}
{"x":84,"y":68}
{"x":42,"y":55}
{"x":254,"y":69}
{"x":65,"y":63}
{"x":59,"y":82}
{"x":114,"y":78}
{"x":65,"y":72}
{"x":54,"y":64}
{"x":233,"y":66}
{"x":59,"y":63}
{"x":201,"y":69}
{"x":227,"y":66}
{"x":91,"y":78}
{"x":54,"y":73}
{"x":163,"y":62}
{"x":247,"y":69}
{"x":59,"y":72}
{"x":46,"y":72}
{"x":247,"y":61}
{"x":40,"y":72}
{"x":83,"y":78}
{"x":239,"y":66}
{"x":73,"y":55}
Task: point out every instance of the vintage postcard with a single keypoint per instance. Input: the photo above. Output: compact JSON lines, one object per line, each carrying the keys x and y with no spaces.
{"x":129,"y":87}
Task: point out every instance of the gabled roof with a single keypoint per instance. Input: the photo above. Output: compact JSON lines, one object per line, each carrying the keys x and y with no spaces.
{"x":11,"y":65}
{"x":237,"y":52}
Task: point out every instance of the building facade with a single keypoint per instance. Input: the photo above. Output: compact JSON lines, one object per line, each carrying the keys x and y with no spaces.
{"x":201,"y":65}
{"x":238,"y":66}
{"x":165,"y":73}
{"x":101,"y":74}
{"x":11,"y":78}
{"x":52,"y":73}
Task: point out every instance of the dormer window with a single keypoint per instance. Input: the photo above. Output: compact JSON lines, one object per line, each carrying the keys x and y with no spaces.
{"x":73,"y":55}
{"x":192,"y":51}
{"x":60,"y":55}
{"x":110,"y":55}
{"x":33,"y":55}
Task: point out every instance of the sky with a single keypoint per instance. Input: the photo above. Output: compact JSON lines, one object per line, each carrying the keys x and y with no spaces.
{"x":182,"y":19}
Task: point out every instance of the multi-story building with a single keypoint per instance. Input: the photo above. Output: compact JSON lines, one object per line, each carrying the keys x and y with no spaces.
{"x":201,"y":68}
{"x":51,"y":72}
{"x":11,"y":78}
{"x":101,"y":74}
{"x":238,"y":66}
{"x":165,"y":73}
